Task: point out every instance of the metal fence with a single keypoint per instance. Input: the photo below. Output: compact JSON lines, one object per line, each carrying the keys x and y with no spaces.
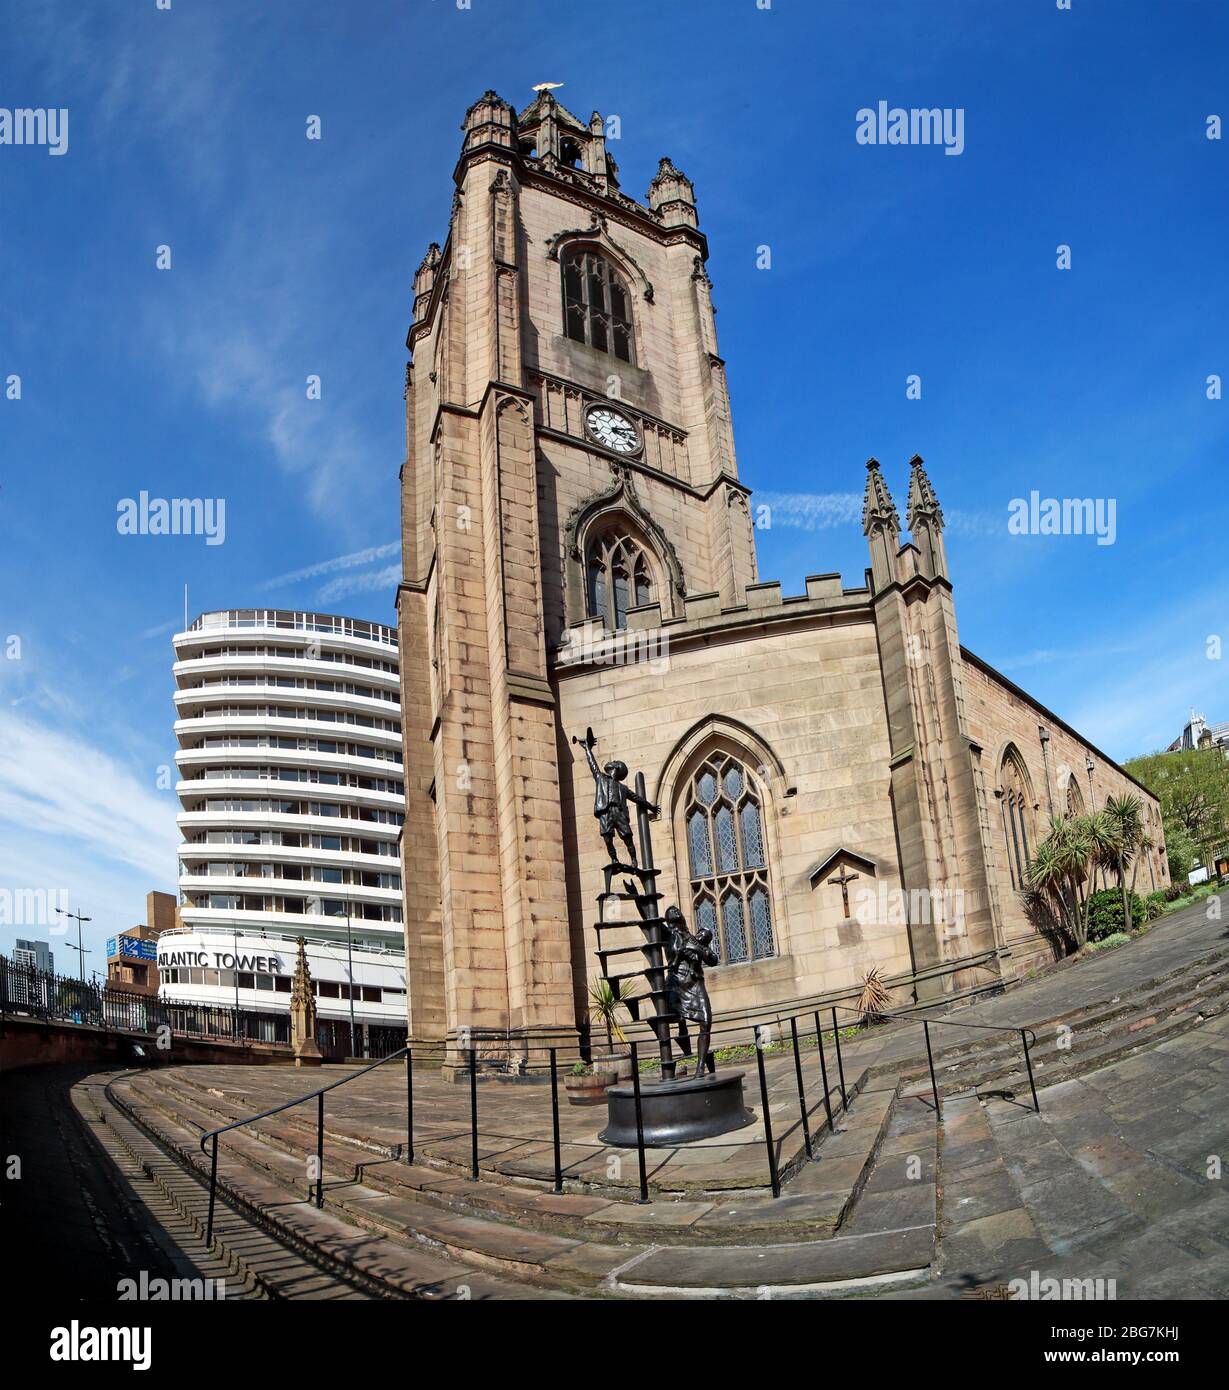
{"x":27,"y":991}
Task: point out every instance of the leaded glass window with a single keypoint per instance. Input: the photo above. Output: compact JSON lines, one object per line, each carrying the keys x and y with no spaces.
{"x":618,"y":578}
{"x":596,"y":305}
{"x":723,"y":814}
{"x":1017,"y":818}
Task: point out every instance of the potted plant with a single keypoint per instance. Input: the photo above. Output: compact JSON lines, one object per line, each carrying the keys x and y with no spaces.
{"x":605,"y":1001}
{"x":874,"y":999}
{"x":587,"y":1085}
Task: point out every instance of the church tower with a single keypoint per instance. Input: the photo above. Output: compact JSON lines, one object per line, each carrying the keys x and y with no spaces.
{"x":569,"y":456}
{"x":578,"y":550}
{"x":939,"y":810}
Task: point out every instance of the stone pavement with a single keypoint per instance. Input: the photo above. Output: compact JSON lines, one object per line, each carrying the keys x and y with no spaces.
{"x":1117,"y":1178}
{"x":514,"y":1118}
{"x":1111,"y":1181}
{"x":1169,"y":944}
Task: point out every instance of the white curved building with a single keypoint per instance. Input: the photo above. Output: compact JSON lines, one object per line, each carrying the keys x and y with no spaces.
{"x":292,"y":796}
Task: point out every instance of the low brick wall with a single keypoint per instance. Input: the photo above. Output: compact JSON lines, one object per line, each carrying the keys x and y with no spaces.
{"x":32,"y":1042}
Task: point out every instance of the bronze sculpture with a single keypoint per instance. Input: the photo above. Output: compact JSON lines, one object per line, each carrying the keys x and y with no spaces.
{"x":687,"y":955}
{"x":610,"y":802}
{"x":672,"y":1110}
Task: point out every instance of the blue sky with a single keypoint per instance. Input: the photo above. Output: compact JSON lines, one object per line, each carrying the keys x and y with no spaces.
{"x":291,"y":257}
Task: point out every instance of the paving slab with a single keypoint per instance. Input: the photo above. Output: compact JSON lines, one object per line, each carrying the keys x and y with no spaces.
{"x":905,"y":1206}
{"x":670,"y":1215}
{"x":819,"y":1262}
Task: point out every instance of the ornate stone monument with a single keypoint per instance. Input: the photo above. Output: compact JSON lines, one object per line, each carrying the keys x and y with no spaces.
{"x":672,"y":962}
{"x":303,"y":1014}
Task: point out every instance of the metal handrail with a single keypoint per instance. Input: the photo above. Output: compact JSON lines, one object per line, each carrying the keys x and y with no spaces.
{"x":760,"y":1044}
{"x":212,"y":1135}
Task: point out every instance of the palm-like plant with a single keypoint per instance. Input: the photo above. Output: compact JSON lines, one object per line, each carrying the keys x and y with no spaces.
{"x":605,"y":1001}
{"x":874,"y":998}
{"x":1060,"y":870}
{"x":1106,"y":835}
{"x":1126,"y":813}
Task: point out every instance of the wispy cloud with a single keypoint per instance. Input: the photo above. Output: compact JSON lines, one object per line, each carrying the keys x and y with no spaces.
{"x":810,"y":511}
{"x":1046,"y":656}
{"x":821,"y":511}
{"x":355,"y":560}
{"x":370,"y":582}
{"x":962,"y":523}
{"x":55,"y":784}
{"x":238,"y":319}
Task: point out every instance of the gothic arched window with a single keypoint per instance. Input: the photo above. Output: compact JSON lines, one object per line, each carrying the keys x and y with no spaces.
{"x":617,"y":577}
{"x":596,"y":305}
{"x":1015,"y":803}
{"x":723,"y":819}
{"x":1075,"y":797}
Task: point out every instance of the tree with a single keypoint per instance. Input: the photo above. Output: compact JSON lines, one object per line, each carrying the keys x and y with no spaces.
{"x":1126,"y":814}
{"x":605,"y":1001}
{"x":1061,"y":870}
{"x":1180,"y":851}
{"x":1193,"y":787}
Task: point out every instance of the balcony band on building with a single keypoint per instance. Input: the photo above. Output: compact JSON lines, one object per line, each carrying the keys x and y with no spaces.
{"x":293,"y":797}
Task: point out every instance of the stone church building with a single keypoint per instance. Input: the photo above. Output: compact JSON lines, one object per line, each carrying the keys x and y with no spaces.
{"x":841,"y":784}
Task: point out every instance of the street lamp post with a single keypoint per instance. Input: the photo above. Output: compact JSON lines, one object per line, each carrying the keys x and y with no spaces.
{"x":235,"y":962}
{"x":79,"y":948}
{"x":350,"y":960}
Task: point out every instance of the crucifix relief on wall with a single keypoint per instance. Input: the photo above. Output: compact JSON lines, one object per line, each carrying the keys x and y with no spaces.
{"x":844,"y":878}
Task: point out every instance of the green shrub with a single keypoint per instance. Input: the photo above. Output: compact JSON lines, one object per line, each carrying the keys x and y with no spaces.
{"x":1115,"y":938}
{"x":1105,"y":913}
{"x":1154,"y":904}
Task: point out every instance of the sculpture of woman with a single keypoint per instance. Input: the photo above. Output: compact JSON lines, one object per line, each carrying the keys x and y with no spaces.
{"x":686,"y":957}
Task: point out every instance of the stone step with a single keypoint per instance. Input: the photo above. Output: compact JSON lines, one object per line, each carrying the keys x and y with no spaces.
{"x":528,"y":1163}
{"x":1084,"y":1056}
{"x":897,"y":1189}
{"x":257,"y":1179}
{"x":605,"y":1256}
{"x":140,"y":1163}
{"x":1126,"y":1027}
{"x":985,"y":1229}
{"x":835,"y":1267}
{"x":1114,"y":1172}
{"x":507,"y":1246}
{"x":814,"y":1200}
{"x":1174,"y":983}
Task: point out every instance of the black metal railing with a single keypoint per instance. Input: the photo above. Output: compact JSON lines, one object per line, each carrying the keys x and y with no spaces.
{"x":906,"y":1016}
{"x":30,"y":992}
{"x":472,"y":1065}
{"x":212,"y":1136}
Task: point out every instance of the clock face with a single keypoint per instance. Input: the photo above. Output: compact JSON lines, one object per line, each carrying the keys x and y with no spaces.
{"x":612,"y":429}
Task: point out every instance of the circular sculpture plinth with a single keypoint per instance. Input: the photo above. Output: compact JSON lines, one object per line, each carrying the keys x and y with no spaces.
{"x":676,"y":1112}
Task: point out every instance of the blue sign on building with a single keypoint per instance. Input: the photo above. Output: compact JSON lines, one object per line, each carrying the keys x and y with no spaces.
{"x":133,"y":947}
